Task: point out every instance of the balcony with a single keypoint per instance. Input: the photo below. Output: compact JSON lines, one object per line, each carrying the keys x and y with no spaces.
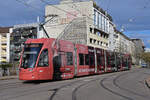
{"x":3,"y":41}
{"x":3,"y":60}
{"x":3,"y":54}
{"x":4,"y":46}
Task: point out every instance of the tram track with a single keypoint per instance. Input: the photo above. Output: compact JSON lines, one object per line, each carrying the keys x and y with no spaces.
{"x":17,"y":84}
{"x":72,"y":86}
{"x":13,"y":85}
{"x":84,"y":83}
{"x":56,"y":90}
{"x":36,"y":89}
{"x":23,"y":92}
{"x":118,"y":86}
{"x":74,"y":94}
{"x":125,"y":89}
{"x":112,"y":91}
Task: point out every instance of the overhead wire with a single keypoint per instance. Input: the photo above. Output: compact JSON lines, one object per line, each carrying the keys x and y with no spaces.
{"x":89,"y":18}
{"x":55,"y":6}
{"x":28,"y":5}
{"x":109,"y":2}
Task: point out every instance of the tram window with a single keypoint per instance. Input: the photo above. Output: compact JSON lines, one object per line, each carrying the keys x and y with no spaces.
{"x":86,"y":59}
{"x":92,"y":62}
{"x":98,"y":60}
{"x":81,"y":59}
{"x":69,"y":58}
{"x":102,"y":60}
{"x":111,"y":60}
{"x":43,"y":60}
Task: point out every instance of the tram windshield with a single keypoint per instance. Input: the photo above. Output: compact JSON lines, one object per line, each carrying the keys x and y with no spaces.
{"x":30,"y":54}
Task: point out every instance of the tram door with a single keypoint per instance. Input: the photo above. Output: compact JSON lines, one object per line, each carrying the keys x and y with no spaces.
{"x":57,"y":63}
{"x":63,"y":65}
{"x":43,"y":67}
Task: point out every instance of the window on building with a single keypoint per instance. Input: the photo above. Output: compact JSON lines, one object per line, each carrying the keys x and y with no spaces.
{"x":98,"y":42}
{"x":100,"y":20}
{"x":106,"y":44}
{"x":101,"y":34}
{"x":101,"y":43}
{"x":106,"y":28}
{"x":69,"y":58}
{"x":81,"y":59}
{"x":91,"y":30}
{"x":94,"y":17}
{"x":98,"y":33}
{"x":103,"y":20}
{"x":91,"y":40}
{"x":94,"y":41}
{"x":106,"y":36}
{"x":107,"y":25}
{"x":94,"y":31}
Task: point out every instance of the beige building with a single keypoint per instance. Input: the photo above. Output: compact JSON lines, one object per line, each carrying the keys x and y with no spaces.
{"x":79,"y":22}
{"x":124,"y":44}
{"x":5,"y":44}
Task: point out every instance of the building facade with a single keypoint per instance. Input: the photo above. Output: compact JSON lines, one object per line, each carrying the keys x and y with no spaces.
{"x":80,"y":22}
{"x":139,"y":48}
{"x":5,"y":33}
{"x":19,"y":35}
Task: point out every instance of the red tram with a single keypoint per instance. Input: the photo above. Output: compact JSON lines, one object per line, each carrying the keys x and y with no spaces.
{"x":39,"y":62}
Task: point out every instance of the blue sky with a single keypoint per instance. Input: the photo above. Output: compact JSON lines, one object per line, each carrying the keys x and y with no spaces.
{"x":133,"y":15}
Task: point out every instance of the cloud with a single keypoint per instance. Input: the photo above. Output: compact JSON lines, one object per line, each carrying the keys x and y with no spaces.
{"x":143,"y":35}
{"x":123,"y":10}
{"x":133,"y":14}
{"x":31,"y":1}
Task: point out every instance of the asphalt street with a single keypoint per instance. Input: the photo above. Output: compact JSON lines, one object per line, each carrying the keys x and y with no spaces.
{"x":126,"y":85}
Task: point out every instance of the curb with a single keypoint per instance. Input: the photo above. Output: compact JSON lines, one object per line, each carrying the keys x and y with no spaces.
{"x":8,"y":77}
{"x":147,"y":82}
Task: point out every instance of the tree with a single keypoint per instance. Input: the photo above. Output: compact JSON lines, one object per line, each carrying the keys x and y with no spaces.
{"x":146,"y":57}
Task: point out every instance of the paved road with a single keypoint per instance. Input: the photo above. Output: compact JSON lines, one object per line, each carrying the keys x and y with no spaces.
{"x":127,"y":85}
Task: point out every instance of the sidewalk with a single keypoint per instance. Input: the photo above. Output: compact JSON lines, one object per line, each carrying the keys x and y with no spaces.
{"x":8,"y":77}
{"x":147,"y":82}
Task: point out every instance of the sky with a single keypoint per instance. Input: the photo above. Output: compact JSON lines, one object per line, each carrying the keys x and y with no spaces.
{"x":131,"y":15}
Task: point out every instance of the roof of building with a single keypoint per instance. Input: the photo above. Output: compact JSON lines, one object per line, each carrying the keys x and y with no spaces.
{"x":26,"y":25}
{"x":142,"y":43}
{"x":4,"y":29}
{"x":123,"y":34}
